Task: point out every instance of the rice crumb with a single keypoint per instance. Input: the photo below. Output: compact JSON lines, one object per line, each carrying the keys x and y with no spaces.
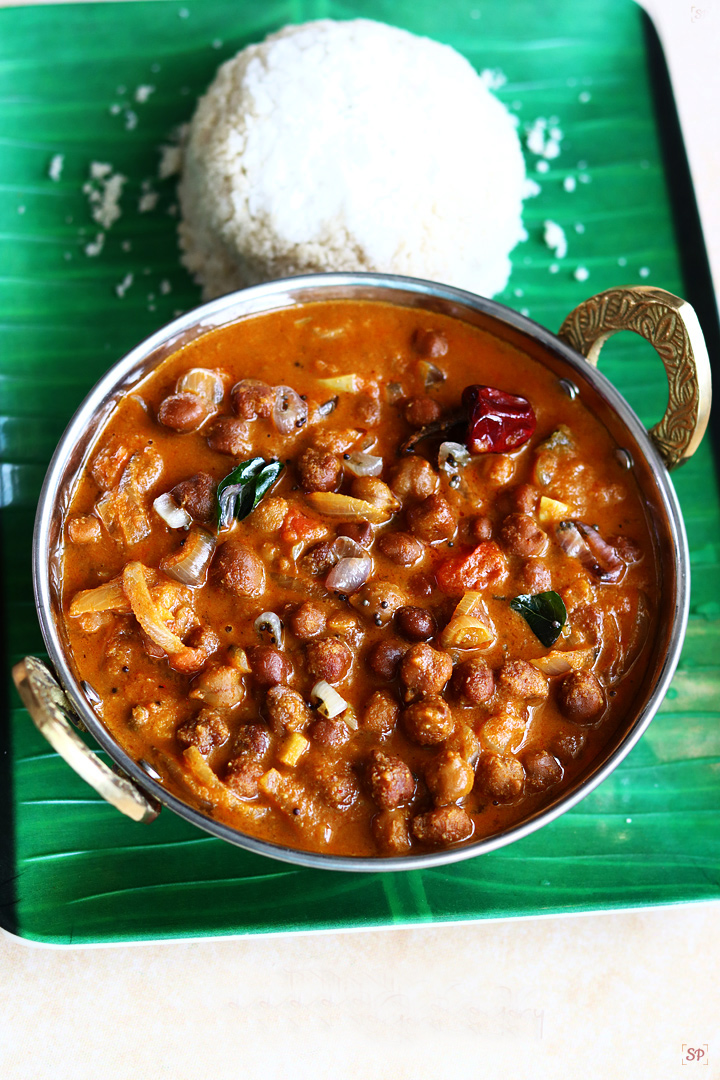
{"x":124,"y":285}
{"x":493,"y":78}
{"x":56,"y":166}
{"x":95,"y":246}
{"x":171,"y":155}
{"x":148,"y":198}
{"x":103,"y":191}
{"x":555,"y":239}
{"x":543,"y":138}
{"x":143,"y":92}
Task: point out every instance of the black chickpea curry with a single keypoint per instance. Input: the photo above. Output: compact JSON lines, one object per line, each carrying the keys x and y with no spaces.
{"x":358,"y":579}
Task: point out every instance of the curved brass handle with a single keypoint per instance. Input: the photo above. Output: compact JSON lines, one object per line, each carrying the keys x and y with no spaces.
{"x":672,"y":328}
{"x":50,"y":712}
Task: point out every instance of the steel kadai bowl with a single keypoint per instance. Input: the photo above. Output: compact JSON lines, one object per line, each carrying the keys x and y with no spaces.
{"x":59,"y":703}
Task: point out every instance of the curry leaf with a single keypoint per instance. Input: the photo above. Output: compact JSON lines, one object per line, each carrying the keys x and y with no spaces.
{"x":242,"y":489}
{"x":545,"y":614}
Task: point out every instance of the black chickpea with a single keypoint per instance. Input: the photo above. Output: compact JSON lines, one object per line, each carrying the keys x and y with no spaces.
{"x":384,"y":659}
{"x":449,"y":777}
{"x":474,"y":680}
{"x":269,"y":666}
{"x":401,"y":548}
{"x":182,"y":412}
{"x":252,"y":398}
{"x":425,"y":670}
{"x":542,"y":770}
{"x":428,"y":722}
{"x":430,"y":343}
{"x":420,"y":411}
{"x":228,"y":435}
{"x":329,"y":659}
{"x":415,"y":623}
{"x":581,"y":697}
{"x":432,"y":520}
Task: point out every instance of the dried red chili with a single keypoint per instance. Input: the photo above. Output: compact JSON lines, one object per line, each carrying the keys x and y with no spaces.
{"x":498,"y":421}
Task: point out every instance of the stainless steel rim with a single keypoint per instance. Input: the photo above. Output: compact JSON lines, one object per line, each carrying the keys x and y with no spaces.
{"x":287,"y":292}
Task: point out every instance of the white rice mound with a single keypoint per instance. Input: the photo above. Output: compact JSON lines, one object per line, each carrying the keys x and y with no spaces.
{"x":346,"y":146}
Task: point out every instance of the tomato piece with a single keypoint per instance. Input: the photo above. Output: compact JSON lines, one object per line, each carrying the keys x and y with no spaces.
{"x":298,"y":526}
{"x":484,"y":565}
{"x":498,"y":421}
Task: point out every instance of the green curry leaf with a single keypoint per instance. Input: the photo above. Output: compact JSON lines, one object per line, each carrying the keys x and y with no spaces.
{"x":242,"y":489}
{"x":545,"y":614}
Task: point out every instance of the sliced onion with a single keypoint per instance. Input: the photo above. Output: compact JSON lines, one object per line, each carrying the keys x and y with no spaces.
{"x":239,"y":659}
{"x":190,"y":563}
{"x":470,"y":626}
{"x":173,"y":515}
{"x":611,"y":564}
{"x":375,"y":492}
{"x":582,"y":542}
{"x":559,"y":663}
{"x":368,"y":442}
{"x":360,"y":464}
{"x":349,"y":575}
{"x":199,"y":768}
{"x":203,"y":383}
{"x":431,"y":373}
{"x":269,"y":624}
{"x":145,"y":611}
{"x":571,"y":541}
{"x":289,"y":411}
{"x":344,"y":547}
{"x":107,"y":597}
{"x":328,"y":406}
{"x":346,"y":508}
{"x":472,"y":603}
{"x":350,"y":719}
{"x":105,"y":509}
{"x":466,"y":632}
{"x":394,"y":391}
{"x":329,"y":702}
{"x":453,"y":456}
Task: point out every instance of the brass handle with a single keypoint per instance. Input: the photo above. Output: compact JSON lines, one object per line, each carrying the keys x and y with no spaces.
{"x":50,"y":711}
{"x":672,"y":328}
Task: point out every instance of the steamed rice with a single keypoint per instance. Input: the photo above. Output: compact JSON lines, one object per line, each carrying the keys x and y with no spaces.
{"x":350,"y":146}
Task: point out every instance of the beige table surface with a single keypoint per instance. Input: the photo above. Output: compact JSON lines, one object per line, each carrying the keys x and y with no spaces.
{"x":610,"y":995}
